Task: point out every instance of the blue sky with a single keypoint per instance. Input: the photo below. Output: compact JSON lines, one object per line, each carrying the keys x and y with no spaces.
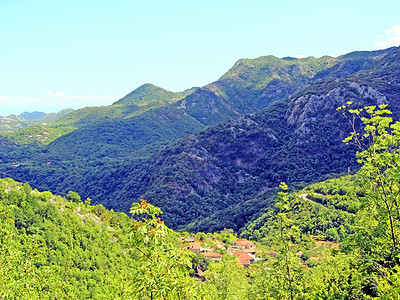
{"x":58,"y":54}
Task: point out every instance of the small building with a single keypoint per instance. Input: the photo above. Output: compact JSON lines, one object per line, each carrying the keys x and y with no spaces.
{"x":245,"y":244}
{"x":244,"y":258}
{"x":213,"y":255}
{"x":195,"y":247}
{"x":240,"y":242}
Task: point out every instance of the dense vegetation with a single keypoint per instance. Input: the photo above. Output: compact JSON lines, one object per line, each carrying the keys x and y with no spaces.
{"x":59,"y":248}
{"x":56,"y":248}
{"x":38,"y":135}
{"x":324,"y":209}
{"x":224,"y":175}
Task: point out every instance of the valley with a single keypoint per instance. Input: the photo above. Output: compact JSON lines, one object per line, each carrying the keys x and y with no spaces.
{"x":233,"y":227}
{"x":157,"y":145}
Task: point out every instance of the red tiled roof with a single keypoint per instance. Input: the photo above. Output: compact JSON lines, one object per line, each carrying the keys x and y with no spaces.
{"x":212,"y":255}
{"x":241,"y":242}
{"x":245,"y":243}
{"x":243,"y":257}
{"x":195,"y":246}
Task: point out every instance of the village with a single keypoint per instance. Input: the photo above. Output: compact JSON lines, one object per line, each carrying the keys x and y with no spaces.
{"x":243,"y":249}
{"x":213,"y":247}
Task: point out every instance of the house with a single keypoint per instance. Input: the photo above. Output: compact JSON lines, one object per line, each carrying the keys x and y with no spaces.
{"x":213,"y":255}
{"x":195,"y":247}
{"x":245,"y":244}
{"x":241,"y":242}
{"x":244,"y":258}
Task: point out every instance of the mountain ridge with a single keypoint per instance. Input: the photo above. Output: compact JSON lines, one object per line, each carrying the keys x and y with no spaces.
{"x":228,"y":167}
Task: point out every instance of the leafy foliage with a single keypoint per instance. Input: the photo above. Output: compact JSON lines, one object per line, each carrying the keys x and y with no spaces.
{"x":164,"y":266}
{"x":53,"y":248}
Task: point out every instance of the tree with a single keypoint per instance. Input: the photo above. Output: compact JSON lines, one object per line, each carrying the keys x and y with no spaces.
{"x":287,"y":264}
{"x":226,"y":279}
{"x":73,"y":197}
{"x":163,"y":272}
{"x":377,"y":238}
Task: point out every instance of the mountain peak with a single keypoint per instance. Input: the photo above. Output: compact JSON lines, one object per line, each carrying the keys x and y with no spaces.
{"x":148,"y":93}
{"x":149,"y":86}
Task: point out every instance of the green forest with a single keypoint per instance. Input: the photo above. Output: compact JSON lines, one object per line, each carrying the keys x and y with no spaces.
{"x":335,"y":239}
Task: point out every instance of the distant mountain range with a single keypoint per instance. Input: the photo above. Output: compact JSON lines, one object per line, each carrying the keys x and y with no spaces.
{"x":26,"y":119}
{"x":210,"y":157}
{"x":35,"y":115}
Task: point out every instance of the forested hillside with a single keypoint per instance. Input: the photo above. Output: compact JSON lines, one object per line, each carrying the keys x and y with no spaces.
{"x":61,"y":248}
{"x":220,"y":177}
{"x":336,"y":239}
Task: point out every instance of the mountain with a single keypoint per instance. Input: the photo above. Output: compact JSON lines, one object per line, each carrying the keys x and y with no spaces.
{"x":26,"y":119}
{"x":36,"y":115}
{"x":119,"y":137}
{"x":148,"y":93}
{"x":206,"y":178}
{"x":253,"y":84}
{"x":238,"y":163}
{"x":148,"y":99}
{"x":54,"y":117}
{"x":250,"y":85}
{"x":222,"y":176}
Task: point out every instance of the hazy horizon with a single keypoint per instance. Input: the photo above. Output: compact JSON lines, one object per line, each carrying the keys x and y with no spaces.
{"x":60,"y":54}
